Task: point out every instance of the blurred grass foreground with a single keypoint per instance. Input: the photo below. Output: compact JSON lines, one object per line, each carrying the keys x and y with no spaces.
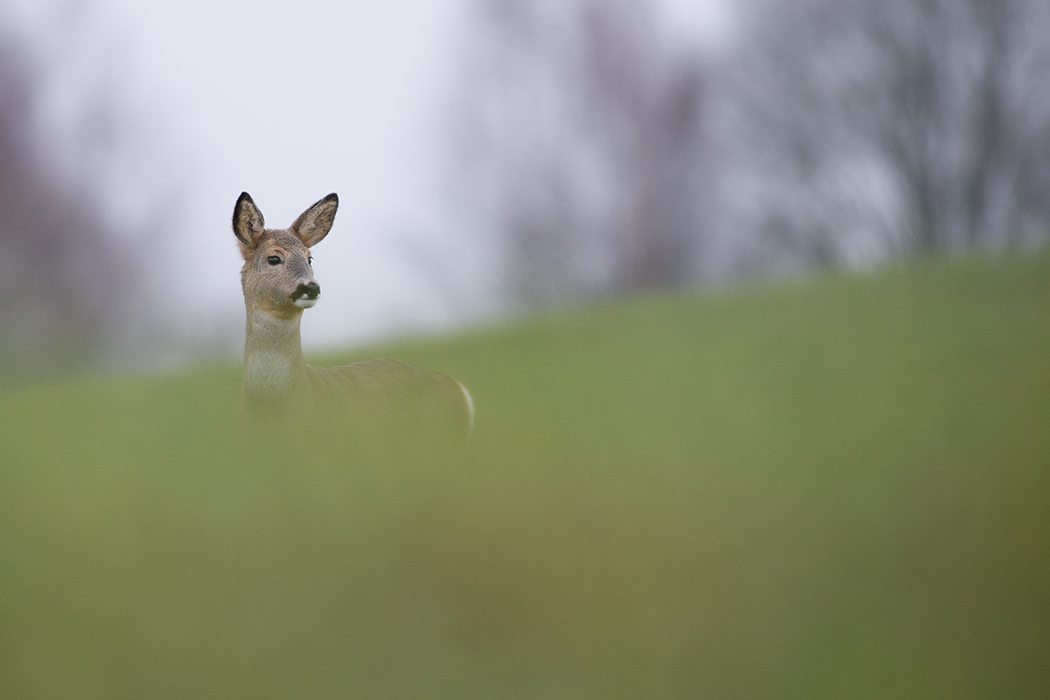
{"x":833,"y":489}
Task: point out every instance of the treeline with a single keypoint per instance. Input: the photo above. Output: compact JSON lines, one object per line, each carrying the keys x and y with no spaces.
{"x":597,"y":154}
{"x":64,"y":275}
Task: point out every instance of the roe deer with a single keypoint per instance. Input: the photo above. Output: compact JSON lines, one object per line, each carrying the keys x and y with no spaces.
{"x":279,"y":284}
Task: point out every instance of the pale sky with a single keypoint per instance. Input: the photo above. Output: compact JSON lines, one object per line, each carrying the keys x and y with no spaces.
{"x":291,"y":101}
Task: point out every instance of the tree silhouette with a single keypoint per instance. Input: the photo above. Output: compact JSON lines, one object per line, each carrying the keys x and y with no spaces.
{"x":579,"y":147}
{"x":860,"y":129}
{"x":63,"y":276}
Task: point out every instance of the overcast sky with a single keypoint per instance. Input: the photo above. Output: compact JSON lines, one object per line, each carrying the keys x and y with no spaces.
{"x":289,"y":101}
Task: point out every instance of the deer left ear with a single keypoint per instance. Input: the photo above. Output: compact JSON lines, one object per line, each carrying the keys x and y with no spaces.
{"x":315,"y":223}
{"x":248,"y":223}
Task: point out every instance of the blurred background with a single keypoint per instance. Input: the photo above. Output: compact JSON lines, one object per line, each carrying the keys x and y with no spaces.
{"x":490,"y":155}
{"x":834,"y":489}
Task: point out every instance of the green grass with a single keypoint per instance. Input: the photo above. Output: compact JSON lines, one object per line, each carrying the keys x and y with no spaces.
{"x":830,"y":489}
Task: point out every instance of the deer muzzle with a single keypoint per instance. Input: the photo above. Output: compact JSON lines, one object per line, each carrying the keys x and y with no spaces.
{"x":306,"y":294}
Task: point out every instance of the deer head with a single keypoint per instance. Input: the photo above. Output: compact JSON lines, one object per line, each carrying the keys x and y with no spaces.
{"x":277,"y":276}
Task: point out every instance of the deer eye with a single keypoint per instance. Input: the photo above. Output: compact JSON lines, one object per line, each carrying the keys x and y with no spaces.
{"x":273,"y":260}
{"x":310,"y":260}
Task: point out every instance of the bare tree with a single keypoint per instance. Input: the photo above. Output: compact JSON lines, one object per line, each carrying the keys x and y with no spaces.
{"x":579,"y":147}
{"x":852,"y":129}
{"x":63,"y":276}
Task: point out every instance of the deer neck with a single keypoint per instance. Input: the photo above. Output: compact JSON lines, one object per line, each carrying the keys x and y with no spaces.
{"x":273,"y":355}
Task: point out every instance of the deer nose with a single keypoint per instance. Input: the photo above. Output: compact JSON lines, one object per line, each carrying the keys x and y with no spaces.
{"x":307,"y":290}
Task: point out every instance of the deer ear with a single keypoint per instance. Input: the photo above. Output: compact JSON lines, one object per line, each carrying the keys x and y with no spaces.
{"x":315,"y":223}
{"x":248,"y":223}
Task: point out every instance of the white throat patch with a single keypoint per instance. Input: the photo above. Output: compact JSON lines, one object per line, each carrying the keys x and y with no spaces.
{"x":267,"y":373}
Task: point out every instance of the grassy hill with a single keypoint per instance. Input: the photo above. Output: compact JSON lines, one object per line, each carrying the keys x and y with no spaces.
{"x":836,"y":488}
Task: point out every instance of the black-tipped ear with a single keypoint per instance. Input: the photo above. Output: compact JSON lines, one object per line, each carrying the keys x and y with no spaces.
{"x":248,"y":222}
{"x":315,"y":223}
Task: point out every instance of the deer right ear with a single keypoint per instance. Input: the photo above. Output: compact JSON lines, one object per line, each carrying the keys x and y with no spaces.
{"x":248,"y":223}
{"x":315,"y":223}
